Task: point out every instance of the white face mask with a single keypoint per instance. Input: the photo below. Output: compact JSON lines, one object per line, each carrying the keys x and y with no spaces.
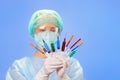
{"x":48,"y":36}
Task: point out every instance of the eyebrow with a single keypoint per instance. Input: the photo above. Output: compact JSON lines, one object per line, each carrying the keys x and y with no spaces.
{"x":53,"y":28}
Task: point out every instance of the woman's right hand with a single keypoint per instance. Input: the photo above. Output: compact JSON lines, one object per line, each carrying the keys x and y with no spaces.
{"x":51,"y":64}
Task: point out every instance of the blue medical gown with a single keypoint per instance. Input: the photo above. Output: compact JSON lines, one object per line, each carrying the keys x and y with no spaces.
{"x":27,"y":68}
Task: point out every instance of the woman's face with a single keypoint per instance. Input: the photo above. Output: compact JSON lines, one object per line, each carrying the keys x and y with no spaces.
{"x":46,"y":27}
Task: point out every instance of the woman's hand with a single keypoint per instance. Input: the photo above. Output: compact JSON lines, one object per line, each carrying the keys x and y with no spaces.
{"x":51,"y":64}
{"x":62,"y":70}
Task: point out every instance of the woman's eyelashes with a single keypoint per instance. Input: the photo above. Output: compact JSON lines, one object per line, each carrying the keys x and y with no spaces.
{"x":52,"y":30}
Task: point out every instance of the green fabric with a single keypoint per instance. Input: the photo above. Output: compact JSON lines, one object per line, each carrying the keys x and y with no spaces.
{"x":45,"y":16}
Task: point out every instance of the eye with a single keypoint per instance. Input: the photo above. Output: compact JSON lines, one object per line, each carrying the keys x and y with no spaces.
{"x":41,"y":30}
{"x":52,"y":29}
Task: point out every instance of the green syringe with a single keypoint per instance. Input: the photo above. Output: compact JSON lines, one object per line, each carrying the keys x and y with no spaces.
{"x":53,"y":47}
{"x":72,"y":53}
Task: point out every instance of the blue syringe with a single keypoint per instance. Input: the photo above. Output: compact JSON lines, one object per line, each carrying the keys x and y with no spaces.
{"x":58,"y":43}
{"x":77,"y":46}
{"x":72,"y":50}
{"x":46,"y":46}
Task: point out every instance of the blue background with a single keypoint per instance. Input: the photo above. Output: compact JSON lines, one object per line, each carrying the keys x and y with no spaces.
{"x":96,"y":21}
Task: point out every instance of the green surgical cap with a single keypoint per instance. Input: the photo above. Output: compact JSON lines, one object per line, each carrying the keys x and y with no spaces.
{"x":42,"y":17}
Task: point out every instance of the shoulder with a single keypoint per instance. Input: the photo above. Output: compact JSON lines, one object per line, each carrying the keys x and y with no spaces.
{"x":19,"y":63}
{"x":26,"y":62}
{"x":22,"y":60}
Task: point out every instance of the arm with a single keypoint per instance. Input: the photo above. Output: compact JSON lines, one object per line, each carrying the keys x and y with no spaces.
{"x":75,"y":71}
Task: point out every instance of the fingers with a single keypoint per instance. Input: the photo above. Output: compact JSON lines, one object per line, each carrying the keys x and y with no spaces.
{"x":62,"y":70}
{"x":62,"y":57}
{"x":53,"y":61}
{"x":56,"y":66}
{"x":64,"y":60}
{"x":57,"y":61}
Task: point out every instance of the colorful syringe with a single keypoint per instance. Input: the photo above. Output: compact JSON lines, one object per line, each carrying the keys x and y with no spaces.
{"x":46,"y":46}
{"x":63,"y":44}
{"x":69,"y":50}
{"x":73,"y":51}
{"x":36,"y":47}
{"x":77,"y":46}
{"x":75,"y":43}
{"x":69,"y":40}
{"x":53,"y":47}
{"x":58,"y":43}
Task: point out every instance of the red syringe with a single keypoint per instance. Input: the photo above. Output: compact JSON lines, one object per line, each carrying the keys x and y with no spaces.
{"x":75,"y":43}
{"x":63,"y":44}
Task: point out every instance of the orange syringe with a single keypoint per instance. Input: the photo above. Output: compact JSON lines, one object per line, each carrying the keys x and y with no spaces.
{"x":70,"y":40}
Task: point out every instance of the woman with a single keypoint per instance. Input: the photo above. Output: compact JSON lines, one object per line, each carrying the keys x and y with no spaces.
{"x":45,"y":25}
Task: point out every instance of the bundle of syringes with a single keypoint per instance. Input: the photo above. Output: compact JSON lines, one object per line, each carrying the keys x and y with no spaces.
{"x":60,"y":46}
